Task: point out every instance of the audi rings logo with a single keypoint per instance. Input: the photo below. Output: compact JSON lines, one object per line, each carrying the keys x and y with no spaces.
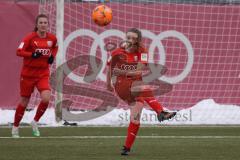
{"x":98,"y":41}
{"x":44,"y":52}
{"x":128,"y":67}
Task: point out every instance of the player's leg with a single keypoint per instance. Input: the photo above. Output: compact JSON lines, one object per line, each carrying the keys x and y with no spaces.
{"x":42,"y":107}
{"x":156,"y":106}
{"x":20,"y":110}
{"x":45,"y":93}
{"x":26,"y":89}
{"x":122,"y":88}
{"x":19,"y":115}
{"x":162,"y":115}
{"x":144,"y":93}
{"x":135,"y":115}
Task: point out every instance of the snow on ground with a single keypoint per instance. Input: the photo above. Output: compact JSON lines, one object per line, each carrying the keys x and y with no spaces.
{"x":204,"y":112}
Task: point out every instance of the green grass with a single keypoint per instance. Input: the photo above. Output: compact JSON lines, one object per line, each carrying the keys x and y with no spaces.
{"x":186,"y":143}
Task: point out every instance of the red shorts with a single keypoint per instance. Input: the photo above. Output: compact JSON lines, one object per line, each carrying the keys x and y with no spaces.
{"x":123,"y":89}
{"x":27,"y":85}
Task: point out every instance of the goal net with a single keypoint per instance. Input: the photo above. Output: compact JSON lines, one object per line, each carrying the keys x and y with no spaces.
{"x":197,"y":41}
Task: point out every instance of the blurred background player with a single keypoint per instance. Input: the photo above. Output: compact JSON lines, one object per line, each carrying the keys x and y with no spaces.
{"x":127,"y":65}
{"x":38,"y":50}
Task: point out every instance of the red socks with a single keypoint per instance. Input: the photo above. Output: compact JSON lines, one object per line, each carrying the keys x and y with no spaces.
{"x":21,"y":109}
{"x":133,"y":128}
{"x":18,"y":114}
{"x":131,"y":135}
{"x":154,"y":104}
{"x":40,"y":111}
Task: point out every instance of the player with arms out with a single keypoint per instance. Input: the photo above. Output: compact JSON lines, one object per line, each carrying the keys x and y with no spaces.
{"x":126,"y":65}
{"x":38,"y":49}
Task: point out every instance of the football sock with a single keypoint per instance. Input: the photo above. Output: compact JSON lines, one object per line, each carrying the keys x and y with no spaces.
{"x":131,"y":135}
{"x":19,"y":114}
{"x":154,"y":104}
{"x":40,"y":111}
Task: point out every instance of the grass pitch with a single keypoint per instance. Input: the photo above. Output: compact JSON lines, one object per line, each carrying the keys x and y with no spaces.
{"x":104,"y":143}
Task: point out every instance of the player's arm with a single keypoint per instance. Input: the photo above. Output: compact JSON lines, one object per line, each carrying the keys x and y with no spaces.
{"x":22,"y":50}
{"x":109,"y":80}
{"x":55,"y":48}
{"x":54,"y":52}
{"x":118,"y":72}
{"x":109,"y":76}
{"x":137,"y":72}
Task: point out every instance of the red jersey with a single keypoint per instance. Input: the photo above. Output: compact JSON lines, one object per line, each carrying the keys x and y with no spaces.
{"x":139,"y":56}
{"x":128,"y":61}
{"x":38,"y":67}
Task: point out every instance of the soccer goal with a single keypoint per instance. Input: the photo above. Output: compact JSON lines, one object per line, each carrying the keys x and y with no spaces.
{"x":196,"y":40}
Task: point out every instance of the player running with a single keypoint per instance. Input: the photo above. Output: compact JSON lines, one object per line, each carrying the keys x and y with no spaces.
{"x":38,"y":50}
{"x":126,"y":64}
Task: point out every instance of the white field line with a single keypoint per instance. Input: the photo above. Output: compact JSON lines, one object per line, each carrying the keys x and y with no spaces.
{"x":115,"y":137}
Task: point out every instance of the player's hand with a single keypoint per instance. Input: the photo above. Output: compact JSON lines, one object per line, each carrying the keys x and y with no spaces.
{"x":36,"y":54}
{"x":51,"y":59}
{"x":125,"y":44}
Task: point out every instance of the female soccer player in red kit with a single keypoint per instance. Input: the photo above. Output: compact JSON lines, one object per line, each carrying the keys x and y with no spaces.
{"x":127,"y":64}
{"x":38,"y":50}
